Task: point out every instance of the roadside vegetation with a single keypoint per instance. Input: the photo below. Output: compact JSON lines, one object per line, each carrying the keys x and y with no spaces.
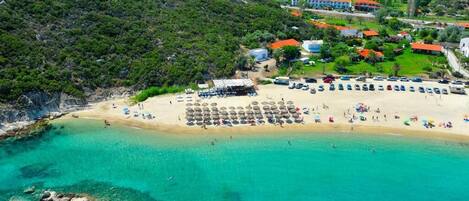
{"x":156,"y":91}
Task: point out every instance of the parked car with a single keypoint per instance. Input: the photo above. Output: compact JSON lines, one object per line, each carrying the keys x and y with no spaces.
{"x":457,"y":82}
{"x":392,"y":79}
{"x":429,"y":90}
{"x":402,"y":88}
{"x":341,"y":87}
{"x":291,"y":85}
{"x":411,"y":89}
{"x":444,"y":91}
{"x":378,"y":78}
{"x":331,"y":87}
{"x":389,"y":87}
{"x":396,"y":87}
{"x":443,"y":81}
{"x":404,"y":79}
{"x":381,"y":88}
{"x":365,"y":87}
{"x":349,"y":87}
{"x":345,"y":77}
{"x":305,"y":87}
{"x":417,"y":79}
{"x":298,"y":85}
{"x":421,"y":90}
{"x":372,"y":87}
{"x":321,"y":88}
{"x":361,"y":79}
{"x":357,"y":87}
{"x":310,"y":80}
{"x":312,"y":91}
{"x":436,"y":90}
{"x":305,"y":110}
{"x":328,"y":79}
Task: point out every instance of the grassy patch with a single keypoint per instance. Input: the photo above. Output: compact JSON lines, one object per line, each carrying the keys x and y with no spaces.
{"x":412,"y":64}
{"x":155,"y":91}
{"x":359,"y":25}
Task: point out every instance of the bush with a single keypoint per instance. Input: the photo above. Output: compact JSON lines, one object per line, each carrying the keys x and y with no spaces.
{"x":427,"y":68}
{"x":458,"y":74}
{"x":156,"y":91}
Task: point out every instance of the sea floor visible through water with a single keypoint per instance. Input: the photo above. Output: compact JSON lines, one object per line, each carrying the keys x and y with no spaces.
{"x":123,"y":163}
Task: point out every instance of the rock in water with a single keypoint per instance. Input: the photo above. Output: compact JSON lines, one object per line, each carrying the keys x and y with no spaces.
{"x":29,"y":190}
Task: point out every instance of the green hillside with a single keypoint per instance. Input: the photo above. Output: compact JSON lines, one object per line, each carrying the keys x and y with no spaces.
{"x":73,"y":45}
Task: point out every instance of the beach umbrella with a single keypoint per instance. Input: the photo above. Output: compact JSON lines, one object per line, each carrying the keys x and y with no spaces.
{"x":264,"y":103}
{"x":241,"y":113}
{"x":256,"y":108}
{"x":188,"y":104}
{"x":213,"y":104}
{"x":248,"y":107}
{"x":204,"y":104}
{"x":216,"y":117}
{"x":240,"y":108}
{"x":249,"y":112}
{"x":235,"y":121}
{"x":206,"y":109}
{"x":295,"y":115}
{"x":223,"y":108}
{"x":198,"y":118}
{"x":232,"y":112}
{"x":286,"y":116}
{"x":281,"y":103}
{"x":259,"y":116}
{"x":198,"y":109}
{"x":273,"y":107}
{"x":257,"y":112}
{"x":265,"y":107}
{"x":197,"y":104}
{"x":272,"y":102}
{"x":232,"y":108}
{"x":290,"y":102}
{"x":214,"y":113}
{"x":255,"y":103}
{"x":282,"y":107}
{"x":189,"y":109}
{"x":233,"y":117}
{"x":292,"y":110}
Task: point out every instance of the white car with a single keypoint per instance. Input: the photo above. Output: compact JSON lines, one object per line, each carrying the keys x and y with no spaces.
{"x":305,"y":87}
{"x":305,"y":110}
{"x":378,"y":78}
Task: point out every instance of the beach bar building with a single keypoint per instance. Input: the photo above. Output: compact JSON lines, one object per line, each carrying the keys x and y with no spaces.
{"x":260,"y":54}
{"x":237,"y":87}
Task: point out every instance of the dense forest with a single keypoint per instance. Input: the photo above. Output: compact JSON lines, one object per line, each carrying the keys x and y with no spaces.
{"x":78,"y":45}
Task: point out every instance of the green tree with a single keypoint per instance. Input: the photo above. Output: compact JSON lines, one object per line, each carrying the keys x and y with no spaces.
{"x":291,"y":52}
{"x":341,"y":64}
{"x":277,"y":54}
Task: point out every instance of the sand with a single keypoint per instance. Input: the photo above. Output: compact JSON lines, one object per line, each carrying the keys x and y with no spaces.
{"x":170,"y":114}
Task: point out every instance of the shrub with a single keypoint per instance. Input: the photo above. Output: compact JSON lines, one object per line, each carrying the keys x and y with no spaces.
{"x":155,"y":91}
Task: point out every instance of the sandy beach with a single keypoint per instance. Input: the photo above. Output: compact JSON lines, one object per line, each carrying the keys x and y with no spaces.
{"x":387,"y":111}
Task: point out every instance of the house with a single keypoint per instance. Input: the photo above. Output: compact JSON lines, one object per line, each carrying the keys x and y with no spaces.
{"x":260,"y":54}
{"x":365,"y":54}
{"x":426,"y":48}
{"x":462,"y":25}
{"x":283,"y":43}
{"x":312,"y":46}
{"x":405,"y":35}
{"x":366,"y":5}
{"x":335,"y":4}
{"x":369,"y":34}
{"x":326,"y":4}
{"x":464,"y":46}
{"x":344,"y":31}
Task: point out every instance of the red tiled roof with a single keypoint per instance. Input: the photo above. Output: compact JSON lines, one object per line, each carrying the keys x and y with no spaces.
{"x":295,"y":13}
{"x":322,"y":25}
{"x":370,"y":33}
{"x":370,"y":2}
{"x":403,"y":33}
{"x":429,"y":47}
{"x":283,"y":43}
{"x":366,"y":52}
{"x":463,"y":24}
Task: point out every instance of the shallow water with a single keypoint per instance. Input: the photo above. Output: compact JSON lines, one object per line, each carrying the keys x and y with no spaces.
{"x":145,"y":165}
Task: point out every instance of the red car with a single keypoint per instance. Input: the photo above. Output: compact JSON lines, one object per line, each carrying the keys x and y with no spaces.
{"x":328,"y":79}
{"x":389,"y":87}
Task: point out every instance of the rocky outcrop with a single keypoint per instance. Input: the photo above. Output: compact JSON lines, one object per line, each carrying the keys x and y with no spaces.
{"x":33,"y":106}
{"x":54,"y":196}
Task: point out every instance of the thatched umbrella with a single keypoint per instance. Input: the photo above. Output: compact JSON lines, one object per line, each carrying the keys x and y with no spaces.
{"x":188,"y":104}
{"x":213,"y":104}
{"x":282,"y":107}
{"x":249,"y":112}
{"x":290,"y":102}
{"x":264,"y":103}
{"x":256,"y":108}
{"x":241,"y":112}
{"x":295,"y":115}
{"x":197,"y":104}
{"x":259,"y":117}
{"x":198,"y":118}
{"x":286,"y":116}
{"x":235,"y":121}
{"x":255,"y":103}
{"x":242,"y":116}
{"x":240,"y":108}
{"x":214,"y":113}
{"x":265,"y":107}
{"x":232,"y":112}
{"x":233,"y":117}
{"x":204,"y":104}
{"x":189,"y":118}
{"x":257,"y":112}
{"x":232,"y":108}
{"x":198,"y":109}
{"x":290,"y":106}
{"x":292,"y":110}
{"x":273,"y":107}
{"x":198,"y":113}
{"x":189,"y":109}
{"x":275,"y":112}
{"x":206,"y":109}
{"x":250,"y":116}
{"x":223,"y":108}
{"x":272,"y":102}
{"x":248,"y":107}
{"x":278,"y":116}
{"x":284,"y":111}
{"x":224,"y":112}
{"x":281,"y":103}
{"x":214,"y":109}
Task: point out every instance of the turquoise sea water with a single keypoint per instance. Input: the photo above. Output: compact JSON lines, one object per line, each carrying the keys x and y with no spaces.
{"x":132,"y":164}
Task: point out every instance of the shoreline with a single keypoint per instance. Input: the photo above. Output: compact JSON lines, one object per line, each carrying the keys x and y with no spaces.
{"x":325,"y":128}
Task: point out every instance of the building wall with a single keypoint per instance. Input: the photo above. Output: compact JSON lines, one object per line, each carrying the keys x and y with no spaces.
{"x":464,"y":46}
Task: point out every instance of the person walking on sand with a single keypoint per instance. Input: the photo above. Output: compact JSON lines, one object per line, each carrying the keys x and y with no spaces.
{"x":170,"y":102}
